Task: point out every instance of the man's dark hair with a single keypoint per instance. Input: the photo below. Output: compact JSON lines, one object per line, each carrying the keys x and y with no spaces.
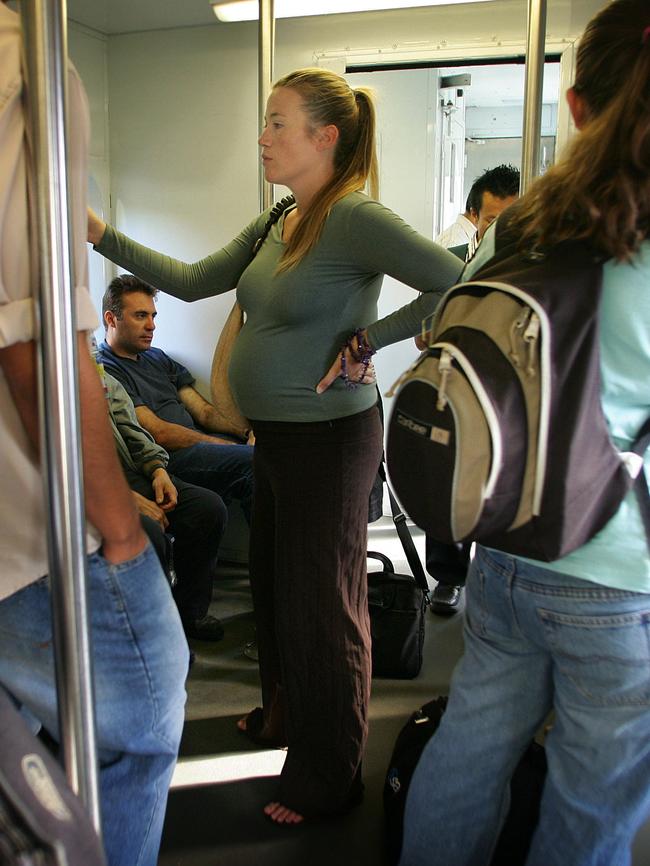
{"x":120,"y":286}
{"x":502,"y":181}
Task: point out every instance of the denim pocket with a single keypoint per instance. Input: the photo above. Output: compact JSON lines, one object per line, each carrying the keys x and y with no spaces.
{"x":127,"y":565}
{"x":119,"y":581}
{"x":606,"y":657}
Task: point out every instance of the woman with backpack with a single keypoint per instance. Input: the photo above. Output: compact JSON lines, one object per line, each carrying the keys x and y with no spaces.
{"x":567,"y":640}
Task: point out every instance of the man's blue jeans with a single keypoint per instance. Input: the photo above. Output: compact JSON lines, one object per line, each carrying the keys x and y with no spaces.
{"x":140,"y":660}
{"x":225,"y":469}
{"x":536,"y":640}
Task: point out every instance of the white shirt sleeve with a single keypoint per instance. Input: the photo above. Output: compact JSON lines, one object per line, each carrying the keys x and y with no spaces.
{"x":17,"y":259}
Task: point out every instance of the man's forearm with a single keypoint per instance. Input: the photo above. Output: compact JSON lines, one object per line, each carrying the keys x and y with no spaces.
{"x":109,"y":504}
{"x":173,"y":437}
{"x":206,"y":415}
{"x":214,"y":423}
{"x":18,"y":363}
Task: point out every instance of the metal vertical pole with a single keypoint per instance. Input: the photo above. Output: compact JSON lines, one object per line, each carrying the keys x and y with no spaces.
{"x":45,"y":45}
{"x":530,"y":164}
{"x":266,"y":56}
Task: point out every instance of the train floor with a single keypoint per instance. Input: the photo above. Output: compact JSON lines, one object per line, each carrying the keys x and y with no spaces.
{"x":222,"y":781}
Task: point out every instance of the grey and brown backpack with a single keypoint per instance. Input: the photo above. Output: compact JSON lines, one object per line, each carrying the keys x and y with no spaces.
{"x":497,"y":432}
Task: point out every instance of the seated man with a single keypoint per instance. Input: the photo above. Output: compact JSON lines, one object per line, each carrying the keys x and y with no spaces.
{"x":166,"y":403}
{"x":490,"y":194}
{"x":194,"y":516}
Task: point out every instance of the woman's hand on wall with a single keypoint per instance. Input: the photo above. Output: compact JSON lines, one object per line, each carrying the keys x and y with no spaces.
{"x":96,"y":227}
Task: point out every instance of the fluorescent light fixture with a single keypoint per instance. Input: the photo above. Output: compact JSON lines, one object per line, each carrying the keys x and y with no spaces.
{"x":248,"y":10}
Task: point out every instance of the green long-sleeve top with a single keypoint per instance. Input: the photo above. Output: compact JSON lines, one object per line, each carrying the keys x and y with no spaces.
{"x":136,"y":448}
{"x":297,"y":320}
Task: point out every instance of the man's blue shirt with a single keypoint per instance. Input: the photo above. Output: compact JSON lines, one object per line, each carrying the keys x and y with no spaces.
{"x":152,"y":380}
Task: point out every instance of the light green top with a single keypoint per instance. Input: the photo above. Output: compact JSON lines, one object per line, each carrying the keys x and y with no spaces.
{"x":297,"y":321}
{"x":136,"y":447}
{"x":618,"y":555}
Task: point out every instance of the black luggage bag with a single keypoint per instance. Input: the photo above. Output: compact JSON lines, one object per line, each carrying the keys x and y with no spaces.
{"x":525,"y":788}
{"x":397,"y":604}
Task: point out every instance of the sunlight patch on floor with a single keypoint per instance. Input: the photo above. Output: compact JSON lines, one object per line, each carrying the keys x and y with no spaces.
{"x":191,"y":772}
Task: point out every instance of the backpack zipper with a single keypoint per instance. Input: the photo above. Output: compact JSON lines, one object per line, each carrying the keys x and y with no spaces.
{"x":519,"y":324}
{"x":531,"y":335}
{"x":444,"y":368}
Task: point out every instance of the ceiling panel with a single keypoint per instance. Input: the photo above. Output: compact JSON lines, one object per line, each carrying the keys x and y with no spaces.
{"x":127,"y":16}
{"x":495,"y":85}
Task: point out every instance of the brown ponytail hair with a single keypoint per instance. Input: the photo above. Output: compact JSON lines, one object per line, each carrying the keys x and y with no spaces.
{"x":327,"y":99}
{"x":600,"y":189}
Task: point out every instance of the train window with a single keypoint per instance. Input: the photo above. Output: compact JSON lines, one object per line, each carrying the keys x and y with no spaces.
{"x":441,"y":126}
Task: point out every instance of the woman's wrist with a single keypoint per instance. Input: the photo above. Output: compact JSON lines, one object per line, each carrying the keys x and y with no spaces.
{"x":360,"y":352}
{"x":96,"y":228}
{"x":360,"y":347}
{"x":99,"y":234}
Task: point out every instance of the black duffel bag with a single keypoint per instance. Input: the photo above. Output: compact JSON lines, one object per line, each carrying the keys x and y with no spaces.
{"x":397,"y":607}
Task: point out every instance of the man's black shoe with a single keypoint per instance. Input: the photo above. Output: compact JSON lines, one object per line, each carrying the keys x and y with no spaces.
{"x":206,"y":628}
{"x":445,"y":598}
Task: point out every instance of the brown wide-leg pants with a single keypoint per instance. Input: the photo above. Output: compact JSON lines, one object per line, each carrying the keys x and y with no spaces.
{"x":308,"y":575}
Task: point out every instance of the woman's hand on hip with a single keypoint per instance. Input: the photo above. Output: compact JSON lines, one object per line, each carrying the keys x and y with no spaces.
{"x":354,"y":372}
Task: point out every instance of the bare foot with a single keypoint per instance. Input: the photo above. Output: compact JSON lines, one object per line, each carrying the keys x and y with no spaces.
{"x":282,"y":814}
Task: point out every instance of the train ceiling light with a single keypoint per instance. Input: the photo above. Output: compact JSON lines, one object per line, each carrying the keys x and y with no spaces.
{"x":248,"y":10}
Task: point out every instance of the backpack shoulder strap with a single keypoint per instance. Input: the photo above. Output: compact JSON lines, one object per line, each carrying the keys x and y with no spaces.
{"x":640,"y":446}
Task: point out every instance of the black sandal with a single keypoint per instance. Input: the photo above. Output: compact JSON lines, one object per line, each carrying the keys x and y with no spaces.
{"x":254,"y":731}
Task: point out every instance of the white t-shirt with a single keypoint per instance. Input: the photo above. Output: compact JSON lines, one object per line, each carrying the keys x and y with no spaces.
{"x":23,"y":549}
{"x":459,"y":232}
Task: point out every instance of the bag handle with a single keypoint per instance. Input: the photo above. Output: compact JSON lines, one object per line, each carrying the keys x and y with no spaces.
{"x":403,"y":531}
{"x":385,"y":561}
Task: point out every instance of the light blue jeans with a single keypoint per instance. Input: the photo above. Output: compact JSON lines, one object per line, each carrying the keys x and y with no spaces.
{"x":140,"y":659}
{"x":536,"y":640}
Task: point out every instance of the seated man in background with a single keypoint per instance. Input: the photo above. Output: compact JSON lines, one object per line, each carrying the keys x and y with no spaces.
{"x":194,"y":516}
{"x":166,"y":403}
{"x":490,"y":194}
